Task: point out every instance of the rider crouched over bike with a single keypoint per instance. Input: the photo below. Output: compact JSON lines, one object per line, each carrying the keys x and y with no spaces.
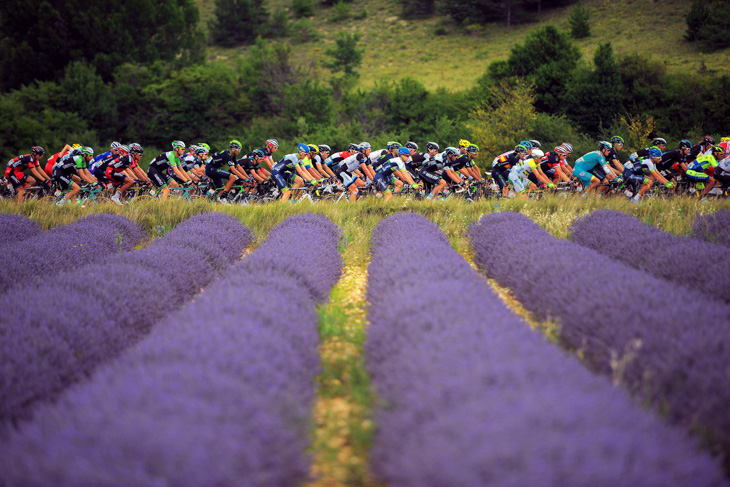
{"x":161,"y":165}
{"x":14,"y":171}
{"x":638,"y":176}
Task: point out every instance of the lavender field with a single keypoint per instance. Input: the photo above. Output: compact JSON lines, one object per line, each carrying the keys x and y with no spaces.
{"x":308,"y":346}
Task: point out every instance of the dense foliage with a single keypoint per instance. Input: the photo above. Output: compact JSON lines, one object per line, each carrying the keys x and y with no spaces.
{"x":472,"y":396}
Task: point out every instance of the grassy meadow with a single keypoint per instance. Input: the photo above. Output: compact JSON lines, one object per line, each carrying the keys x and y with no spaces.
{"x":396,"y":47}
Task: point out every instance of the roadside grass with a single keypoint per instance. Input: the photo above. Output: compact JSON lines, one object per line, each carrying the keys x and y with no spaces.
{"x":396,"y":48}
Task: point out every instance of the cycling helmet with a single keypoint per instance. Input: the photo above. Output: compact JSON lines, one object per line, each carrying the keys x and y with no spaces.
{"x":520,"y":149}
{"x":178,"y":144}
{"x":75,"y":152}
{"x":603,"y":145}
{"x":535,"y":144}
{"x":365,"y":145}
{"x":685,"y":144}
{"x":87,"y":151}
{"x":313,"y":148}
{"x":258,"y":153}
{"x":324,"y":148}
{"x":352,"y":147}
{"x":235,"y":145}
{"x":432,"y":146}
{"x":36,"y":149}
{"x":708,"y":140}
{"x":202,"y":150}
{"x":76,"y":146}
{"x":273,"y":143}
{"x":136,"y":149}
{"x":404,"y":151}
{"x":472,"y":148}
{"x":568,"y":147}
{"x":526,"y":144}
{"x":393,"y":145}
{"x":617,"y":140}
{"x":451,"y":151}
{"x":411,"y":145}
{"x":658,"y":141}
{"x":655,"y":152}
{"x":561,"y":150}
{"x":464,"y":143}
{"x":114,"y":146}
{"x":303,"y":148}
{"x":717,"y":149}
{"x":537,"y":153}
{"x":204,"y":145}
{"x":192,"y":148}
{"x":124,"y":149}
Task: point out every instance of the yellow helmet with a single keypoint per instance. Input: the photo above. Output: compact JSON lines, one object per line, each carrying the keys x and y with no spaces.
{"x":464,"y":143}
{"x":313,"y":149}
{"x":76,"y":146}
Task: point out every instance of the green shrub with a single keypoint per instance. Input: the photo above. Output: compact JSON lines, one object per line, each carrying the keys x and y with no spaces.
{"x":302,"y":8}
{"x":340,"y":12}
{"x":578,"y":20}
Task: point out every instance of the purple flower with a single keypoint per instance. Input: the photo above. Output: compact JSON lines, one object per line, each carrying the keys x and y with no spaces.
{"x":16,"y":228}
{"x":714,"y":227}
{"x":686,"y":261}
{"x":219,"y":393}
{"x":471,"y":396}
{"x":55,"y":332}
{"x":663,"y":342}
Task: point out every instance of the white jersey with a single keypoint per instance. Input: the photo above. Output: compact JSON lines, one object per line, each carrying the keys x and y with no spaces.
{"x":375,"y":155}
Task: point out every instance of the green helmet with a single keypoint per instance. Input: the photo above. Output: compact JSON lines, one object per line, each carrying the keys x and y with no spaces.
{"x":178,"y":144}
{"x":472,"y":148}
{"x":235,"y":145}
{"x":87,"y":151}
{"x":203,"y":144}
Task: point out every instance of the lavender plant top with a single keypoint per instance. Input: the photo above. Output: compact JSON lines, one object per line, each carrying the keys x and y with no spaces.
{"x":714,"y":227}
{"x":15,"y":228}
{"x":474,"y":397}
{"x":89,"y":240}
{"x":52,"y":334}
{"x":220,"y":393}
{"x":668,"y":345}
{"x":687,"y":261}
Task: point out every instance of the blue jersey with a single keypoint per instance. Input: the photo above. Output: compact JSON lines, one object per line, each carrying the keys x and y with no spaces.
{"x":589,"y":161}
{"x":99,"y":158}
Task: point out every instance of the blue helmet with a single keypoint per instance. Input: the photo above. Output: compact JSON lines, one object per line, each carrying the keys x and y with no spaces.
{"x":404,"y":151}
{"x":654,"y":152}
{"x":303,"y":148}
{"x":526,"y":144}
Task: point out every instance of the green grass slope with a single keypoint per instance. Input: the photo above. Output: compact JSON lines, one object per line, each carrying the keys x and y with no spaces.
{"x":397,"y":47}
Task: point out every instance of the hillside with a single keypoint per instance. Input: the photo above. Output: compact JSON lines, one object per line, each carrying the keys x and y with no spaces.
{"x":395,"y":47}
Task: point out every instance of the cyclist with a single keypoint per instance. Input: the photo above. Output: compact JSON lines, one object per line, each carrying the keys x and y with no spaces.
{"x":704,"y":148}
{"x":700,"y":169}
{"x":722,"y":171}
{"x":527,"y":175}
{"x":252,"y":163}
{"x":192,"y":164}
{"x":52,"y":160}
{"x":554,"y":167}
{"x":98,"y":159}
{"x":14,"y":171}
{"x":121,"y":170}
{"x":459,"y":168}
{"x":638,"y":176}
{"x":617,"y":144}
{"x":270,"y":147}
{"x":69,"y":169}
{"x":214,"y":169}
{"x":346,"y":172}
{"x":471,"y":169}
{"x":377,"y":158}
{"x":159,"y":170}
{"x":674,"y":162}
{"x":290,"y":171}
{"x":504,"y":163}
{"x":385,"y":176}
{"x":587,"y":162}
{"x":366,"y":149}
{"x":432,"y":171}
{"x":418,"y":159}
{"x":657,"y":142}
{"x":320,"y":161}
{"x":463,"y":144}
{"x":310,"y":164}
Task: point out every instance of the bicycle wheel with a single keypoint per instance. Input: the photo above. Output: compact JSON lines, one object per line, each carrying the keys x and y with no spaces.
{"x":99,"y":200}
{"x":142,"y":197}
{"x":48,"y":199}
{"x":194,"y":198}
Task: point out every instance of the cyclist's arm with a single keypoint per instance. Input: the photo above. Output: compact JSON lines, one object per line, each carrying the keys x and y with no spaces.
{"x":405,"y":176}
{"x":609,"y":171}
{"x":86,"y":176}
{"x":138,"y":173}
{"x":303,"y":173}
{"x":453,"y":175}
{"x":269,"y":162}
{"x":323,"y":169}
{"x":39,"y":174}
{"x":561,"y":172}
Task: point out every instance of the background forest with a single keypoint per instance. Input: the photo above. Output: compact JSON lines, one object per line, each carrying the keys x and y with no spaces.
{"x":494,"y":72}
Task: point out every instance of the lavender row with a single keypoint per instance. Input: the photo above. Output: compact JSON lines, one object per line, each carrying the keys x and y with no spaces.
{"x":220,"y":393}
{"x":55,"y":332}
{"x":714,"y":227}
{"x":91,"y":239}
{"x":667,"y":344}
{"x":686,"y":261}
{"x":15,"y":228}
{"x":474,"y":397}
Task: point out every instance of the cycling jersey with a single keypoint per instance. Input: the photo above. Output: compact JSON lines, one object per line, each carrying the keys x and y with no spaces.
{"x":65,"y":168}
{"x":550,"y":162}
{"x":51,"y":162}
{"x":165,"y":161}
{"x":639,"y":154}
{"x":114,"y":168}
{"x":698,"y":151}
{"x":188,"y":162}
{"x":506,"y":161}
{"x":248,"y":163}
{"x":336,"y":158}
{"x":220,"y":159}
{"x":14,"y":171}
{"x":417,"y":160}
{"x":352,"y":163}
{"x":459,"y":163}
{"x":384,"y":175}
{"x":587,"y":163}
{"x":375,"y":155}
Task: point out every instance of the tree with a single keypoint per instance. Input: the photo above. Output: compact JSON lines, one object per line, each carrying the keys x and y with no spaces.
{"x":238,"y":21}
{"x":594,"y":98}
{"x":578,"y":20}
{"x":418,"y":8}
{"x":346,"y":57}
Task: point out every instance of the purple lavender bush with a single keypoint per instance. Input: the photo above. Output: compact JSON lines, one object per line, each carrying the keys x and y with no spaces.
{"x":219,"y":393}
{"x":16,"y":228}
{"x":663,"y":342}
{"x":713,"y":227}
{"x":54,"y":333}
{"x":683,"y":260}
{"x":471,"y":396}
{"x":89,"y":240}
